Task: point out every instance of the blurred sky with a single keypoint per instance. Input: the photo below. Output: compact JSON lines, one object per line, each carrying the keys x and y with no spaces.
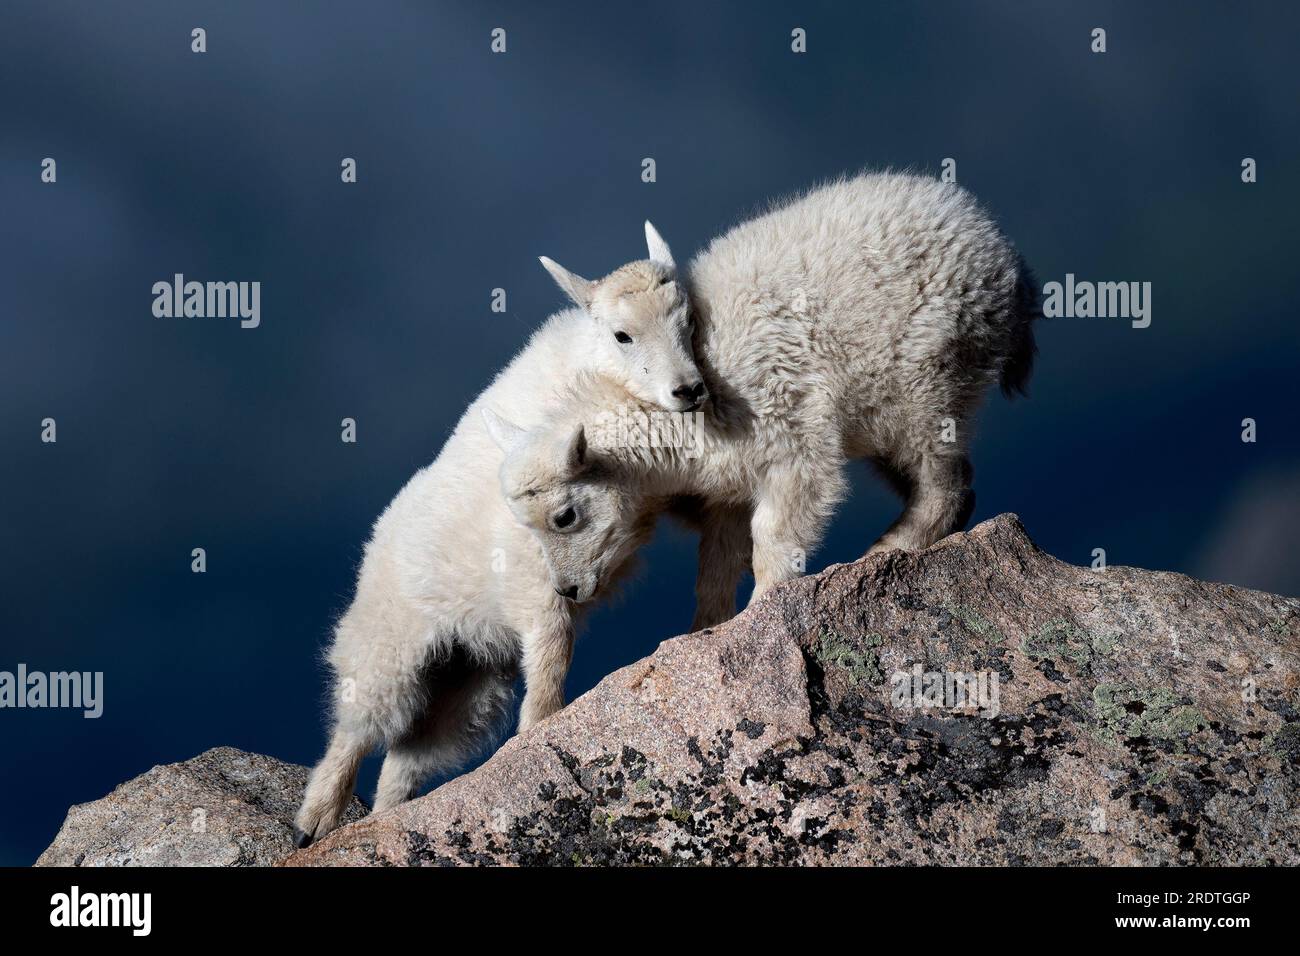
{"x":174,"y":434}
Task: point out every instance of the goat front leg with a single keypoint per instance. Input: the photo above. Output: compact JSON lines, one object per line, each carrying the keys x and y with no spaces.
{"x":548,"y":652}
{"x":725,"y":551}
{"x":793,"y":505}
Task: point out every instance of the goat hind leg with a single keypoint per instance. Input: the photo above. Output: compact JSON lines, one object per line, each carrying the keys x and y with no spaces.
{"x":467,"y":703}
{"x":330,"y":786}
{"x":941,"y":502}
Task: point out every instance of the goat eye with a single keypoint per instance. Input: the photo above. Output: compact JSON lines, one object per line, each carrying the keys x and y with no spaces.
{"x":623,"y":337}
{"x":566,"y":518}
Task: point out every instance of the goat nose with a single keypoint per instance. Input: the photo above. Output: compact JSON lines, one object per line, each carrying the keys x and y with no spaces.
{"x":689,"y":391}
{"x":571,"y":592}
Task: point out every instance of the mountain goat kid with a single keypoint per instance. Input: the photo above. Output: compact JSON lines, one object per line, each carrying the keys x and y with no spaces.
{"x":865,"y":319}
{"x":453,"y":593}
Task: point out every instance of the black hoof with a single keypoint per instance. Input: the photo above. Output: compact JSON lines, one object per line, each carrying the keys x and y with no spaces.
{"x":300,"y":839}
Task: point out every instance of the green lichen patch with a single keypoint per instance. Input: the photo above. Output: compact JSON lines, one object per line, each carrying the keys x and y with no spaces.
{"x":975,"y":622}
{"x":1285,"y":742}
{"x":1128,"y":712}
{"x":1157,"y":777}
{"x":1061,"y":640}
{"x":862,"y":664}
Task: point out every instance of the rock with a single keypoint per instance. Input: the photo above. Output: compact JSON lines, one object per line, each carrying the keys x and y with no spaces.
{"x":224,"y":807}
{"x":1112,"y":717}
{"x":1128,"y":717}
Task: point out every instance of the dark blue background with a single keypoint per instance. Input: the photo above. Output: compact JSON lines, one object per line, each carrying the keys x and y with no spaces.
{"x":175,"y":434}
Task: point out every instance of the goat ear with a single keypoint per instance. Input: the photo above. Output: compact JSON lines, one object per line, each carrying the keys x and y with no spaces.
{"x":660,"y":254}
{"x":578,"y":288}
{"x":575,"y":455}
{"x":506,"y":434}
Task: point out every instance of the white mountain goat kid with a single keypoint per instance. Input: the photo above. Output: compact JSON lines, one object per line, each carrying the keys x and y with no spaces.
{"x":454,"y":594}
{"x":865,"y":319}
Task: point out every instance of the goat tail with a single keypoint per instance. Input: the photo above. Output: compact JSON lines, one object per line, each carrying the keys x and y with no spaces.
{"x":1019,"y":363}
